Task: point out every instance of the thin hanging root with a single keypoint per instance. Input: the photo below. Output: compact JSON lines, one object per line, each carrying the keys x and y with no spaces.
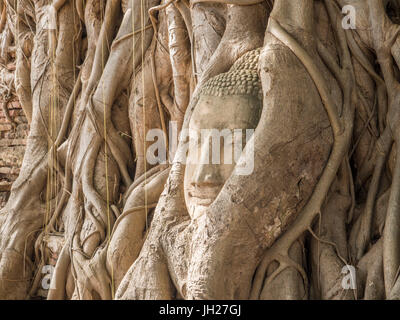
{"x":3,"y":18}
{"x":329,"y":243}
{"x":89,"y":191}
{"x":52,"y":27}
{"x":61,"y":135}
{"x":363,"y":237}
{"x":103,"y":47}
{"x":119,"y":156}
{"x":380,"y":84}
{"x":93,"y":201}
{"x":384,"y":44}
{"x":153,"y":68}
{"x":153,"y":10}
{"x":129,"y":35}
{"x":69,"y":110}
{"x":80,"y":8}
{"x":352,"y":191}
{"x":342,"y":137}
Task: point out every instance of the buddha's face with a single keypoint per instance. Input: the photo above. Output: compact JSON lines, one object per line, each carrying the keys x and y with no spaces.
{"x":204,"y":178}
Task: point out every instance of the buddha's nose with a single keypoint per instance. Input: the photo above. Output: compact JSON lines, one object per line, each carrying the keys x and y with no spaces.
{"x":207,"y":174}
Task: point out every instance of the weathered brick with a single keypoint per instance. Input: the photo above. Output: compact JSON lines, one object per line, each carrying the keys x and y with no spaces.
{"x":5,"y":127}
{"x":5,"y":170}
{"x":12,"y":142}
{"x":5,"y":187}
{"x":14,"y":105}
{"x":12,"y":147}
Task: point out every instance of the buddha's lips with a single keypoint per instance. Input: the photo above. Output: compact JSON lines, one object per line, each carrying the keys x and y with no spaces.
{"x":204,"y":195}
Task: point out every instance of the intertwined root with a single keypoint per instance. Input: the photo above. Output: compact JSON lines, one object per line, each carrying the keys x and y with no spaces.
{"x":84,"y":206}
{"x":342,"y":131}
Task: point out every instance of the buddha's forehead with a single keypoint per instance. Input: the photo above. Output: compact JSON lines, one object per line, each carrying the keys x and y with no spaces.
{"x":226,"y":112}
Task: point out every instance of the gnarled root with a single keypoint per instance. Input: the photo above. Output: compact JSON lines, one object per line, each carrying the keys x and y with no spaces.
{"x":342,"y":130}
{"x":130,"y":228}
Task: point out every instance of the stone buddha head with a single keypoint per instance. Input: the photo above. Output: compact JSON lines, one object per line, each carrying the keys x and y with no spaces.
{"x":228,"y":109}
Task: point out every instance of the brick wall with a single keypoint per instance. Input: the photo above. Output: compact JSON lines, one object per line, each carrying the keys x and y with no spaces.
{"x":12,"y":146}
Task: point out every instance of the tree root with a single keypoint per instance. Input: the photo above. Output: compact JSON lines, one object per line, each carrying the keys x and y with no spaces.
{"x":6,"y":113}
{"x":342,"y":130}
{"x":3,"y":16}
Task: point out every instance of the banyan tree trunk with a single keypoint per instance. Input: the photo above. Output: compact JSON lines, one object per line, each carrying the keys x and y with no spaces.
{"x":104,"y":83}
